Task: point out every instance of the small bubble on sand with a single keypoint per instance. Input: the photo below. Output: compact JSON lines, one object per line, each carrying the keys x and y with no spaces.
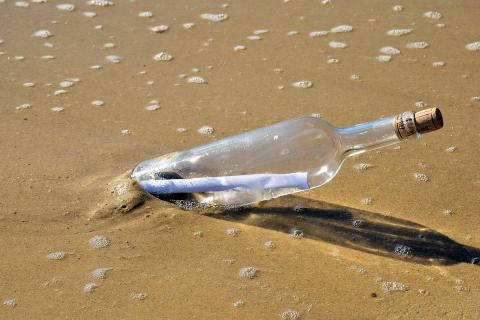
{"x":100,"y":3}
{"x":145,"y":14}
{"x":260,"y":31}
{"x":214,"y":17}
{"x":333,"y":61}
{"x":125,"y":131}
{"x":269,"y":244}
{"x":421,"y":177}
{"x":362,"y":166}
{"x":159,"y":29}
{"x":60,"y":255}
{"x":296,"y":233}
{"x":18,"y":58}
{"x":66,"y":7}
{"x":99,"y":242}
{"x":357,"y":223}
{"x":43,"y":34}
{"x":163,"y":56}
{"x":447,"y":212}
{"x":292,"y":33}
{"x":290,"y":315}
{"x":337,"y":45}
{"x":24,"y":106}
{"x":247,"y":272}
{"x":89,"y":287}
{"x":238,"y":303}
{"x":97,"y":103}
{"x":439,"y":64}
{"x":435,"y":15}
{"x":113,"y":58}
{"x":420,"y":104}
{"x":188,"y":25}
{"x":22,"y":4}
{"x":47,"y":57}
{"x":59,"y":92}
{"x":233,"y":232}
{"x":474,"y":46}
{"x":397,"y":8}
{"x":95,"y":67}
{"x":367,"y":200}
{"x":254,"y":37}
{"x":475,"y":99}
{"x":389,"y":50}
{"x":48,"y":44}
{"x":10,"y":302}
{"x":66,"y":84}
{"x":98,"y":27}
{"x":417,"y":45}
{"x":28,"y":84}
{"x":206,"y":130}
{"x":197,"y":80}
{"x":342,"y":28}
{"x":181,"y":130}
{"x":57,"y":109}
{"x":100,"y":273}
{"x":355,"y":77}
{"x":383,"y":58}
{"x":198,"y":234}
{"x":153,"y":105}
{"x":89,"y":14}
{"x":403,"y":251}
{"x":317,"y":33}
{"x":239,"y":47}
{"x":109,"y":45}
{"x":138,"y":296}
{"x":389,"y":286}
{"x":451,"y":149}
{"x":303,"y":84}
{"x":398,"y":32}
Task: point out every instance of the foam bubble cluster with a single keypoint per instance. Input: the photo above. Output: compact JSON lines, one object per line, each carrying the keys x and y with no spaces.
{"x":10,"y":302}
{"x":342,"y":28}
{"x":100,"y":3}
{"x":98,"y":242}
{"x":66,"y":7}
{"x":197,"y":80}
{"x":417,"y":45}
{"x":206,"y":130}
{"x":317,"y":33}
{"x":337,"y":45}
{"x":89,"y":287}
{"x":362,"y":166}
{"x":290,"y":315}
{"x":421,"y":177}
{"x":214,"y":17}
{"x":398,"y":32}
{"x":60,"y":255}
{"x":269,"y":244}
{"x":474,"y":46}
{"x":159,"y":29}
{"x":303,"y":84}
{"x":389,"y":50}
{"x":100,"y":273}
{"x":138,"y":296}
{"x":145,"y":14}
{"x":248,"y":272}
{"x":43,"y":34}
{"x":233,"y":232}
{"x":384,"y":58}
{"x":113,"y":58}
{"x":389,"y":286}
{"x":403,"y":251}
{"x":433,"y":15}
{"x":163,"y":56}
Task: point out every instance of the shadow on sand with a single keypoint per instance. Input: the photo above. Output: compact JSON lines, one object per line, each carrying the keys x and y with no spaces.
{"x":356,"y":229}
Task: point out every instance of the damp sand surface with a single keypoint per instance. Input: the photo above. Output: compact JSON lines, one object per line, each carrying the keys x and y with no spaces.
{"x":79,"y":242}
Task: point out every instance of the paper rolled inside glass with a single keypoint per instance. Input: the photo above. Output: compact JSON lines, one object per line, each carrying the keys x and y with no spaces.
{"x":210,"y":184}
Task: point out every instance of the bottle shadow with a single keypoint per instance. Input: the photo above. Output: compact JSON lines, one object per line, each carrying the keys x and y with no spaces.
{"x":356,"y":229}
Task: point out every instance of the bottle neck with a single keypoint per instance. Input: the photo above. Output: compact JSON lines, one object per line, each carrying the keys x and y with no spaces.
{"x":368,"y":136}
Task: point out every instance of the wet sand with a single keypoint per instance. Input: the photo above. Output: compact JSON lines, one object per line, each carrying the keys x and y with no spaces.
{"x":372,"y":244}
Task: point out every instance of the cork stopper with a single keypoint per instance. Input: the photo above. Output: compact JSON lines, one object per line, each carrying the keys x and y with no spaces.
{"x":412,"y":123}
{"x":428,"y":120}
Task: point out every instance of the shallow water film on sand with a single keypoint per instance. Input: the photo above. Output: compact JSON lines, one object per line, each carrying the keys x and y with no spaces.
{"x":91,"y":88}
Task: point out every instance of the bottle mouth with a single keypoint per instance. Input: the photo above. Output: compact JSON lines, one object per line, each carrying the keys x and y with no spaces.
{"x":411,"y":123}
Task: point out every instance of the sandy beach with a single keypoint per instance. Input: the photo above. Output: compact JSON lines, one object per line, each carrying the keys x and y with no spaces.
{"x":91,"y":88}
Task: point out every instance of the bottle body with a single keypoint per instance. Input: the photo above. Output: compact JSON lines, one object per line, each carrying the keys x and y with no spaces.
{"x":261,"y":164}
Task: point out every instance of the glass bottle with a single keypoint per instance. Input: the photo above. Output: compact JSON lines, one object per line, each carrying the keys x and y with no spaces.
{"x":276,"y":160}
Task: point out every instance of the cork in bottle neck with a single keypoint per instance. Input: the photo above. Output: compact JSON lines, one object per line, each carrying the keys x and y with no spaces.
{"x":411,"y":123}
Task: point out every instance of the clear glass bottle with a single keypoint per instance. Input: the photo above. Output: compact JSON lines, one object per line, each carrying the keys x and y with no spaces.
{"x":269,"y":162}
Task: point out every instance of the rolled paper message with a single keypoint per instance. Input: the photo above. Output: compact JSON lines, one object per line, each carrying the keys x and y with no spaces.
{"x":210,"y":184}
